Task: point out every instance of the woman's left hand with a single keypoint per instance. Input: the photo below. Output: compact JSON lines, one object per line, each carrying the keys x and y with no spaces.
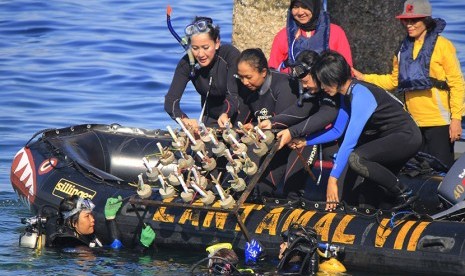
{"x":222,"y":120}
{"x":455,"y":130}
{"x":285,"y":137}
{"x":298,"y":143}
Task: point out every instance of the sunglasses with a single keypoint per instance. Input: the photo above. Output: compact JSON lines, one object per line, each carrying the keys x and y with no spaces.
{"x":200,"y":26}
{"x":411,"y":21}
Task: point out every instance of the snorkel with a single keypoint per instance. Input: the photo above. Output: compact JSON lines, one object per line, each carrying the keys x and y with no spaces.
{"x":182,"y":41}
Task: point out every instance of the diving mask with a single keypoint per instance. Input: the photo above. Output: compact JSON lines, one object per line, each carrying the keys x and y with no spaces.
{"x":200,"y":26}
{"x":81,"y":205}
{"x":300,"y":70}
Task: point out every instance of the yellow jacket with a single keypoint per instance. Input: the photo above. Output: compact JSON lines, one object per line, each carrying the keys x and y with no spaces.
{"x":431,"y":107}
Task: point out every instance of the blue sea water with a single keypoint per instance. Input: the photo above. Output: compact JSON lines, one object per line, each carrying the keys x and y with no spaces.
{"x":74,"y":62}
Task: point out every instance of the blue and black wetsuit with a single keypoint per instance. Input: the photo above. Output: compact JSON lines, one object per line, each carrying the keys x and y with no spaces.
{"x":217,"y":80}
{"x":380,"y":137}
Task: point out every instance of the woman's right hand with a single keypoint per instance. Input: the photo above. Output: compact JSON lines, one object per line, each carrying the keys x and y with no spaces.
{"x":191,"y":124}
{"x":265,"y":124}
{"x":357,"y":74}
{"x":332,"y":194}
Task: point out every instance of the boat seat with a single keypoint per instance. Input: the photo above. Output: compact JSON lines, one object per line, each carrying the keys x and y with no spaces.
{"x":87,"y":150}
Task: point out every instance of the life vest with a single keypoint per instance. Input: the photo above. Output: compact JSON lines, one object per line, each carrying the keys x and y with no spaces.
{"x":318,"y":42}
{"x":414,"y":73}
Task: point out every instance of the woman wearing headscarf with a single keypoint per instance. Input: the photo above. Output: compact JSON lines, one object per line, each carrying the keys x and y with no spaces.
{"x":308,"y":28}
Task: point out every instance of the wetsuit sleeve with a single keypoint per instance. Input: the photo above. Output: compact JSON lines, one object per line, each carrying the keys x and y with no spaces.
{"x":231,"y":102}
{"x":279,"y":50}
{"x":387,"y":81}
{"x":454,"y":77}
{"x":325,"y":115}
{"x":334,"y":132}
{"x":176,"y":90}
{"x":338,"y":42}
{"x":363,"y":105}
{"x":294,"y":114}
{"x":285,"y":97}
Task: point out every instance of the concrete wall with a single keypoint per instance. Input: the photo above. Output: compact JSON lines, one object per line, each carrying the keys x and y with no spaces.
{"x":370,"y":25}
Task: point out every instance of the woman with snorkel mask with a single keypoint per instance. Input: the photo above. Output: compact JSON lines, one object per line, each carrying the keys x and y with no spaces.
{"x":308,"y":28}
{"x":311,"y":113}
{"x":75,"y":222}
{"x":212,"y":76}
{"x":74,"y":225}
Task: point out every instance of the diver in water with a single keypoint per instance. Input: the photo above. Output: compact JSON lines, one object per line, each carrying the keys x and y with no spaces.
{"x":302,"y":254}
{"x":223,"y":260}
{"x":297,"y":252}
{"x":73,"y":225}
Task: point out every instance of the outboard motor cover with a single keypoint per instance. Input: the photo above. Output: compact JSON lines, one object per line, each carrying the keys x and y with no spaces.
{"x":452,"y":188}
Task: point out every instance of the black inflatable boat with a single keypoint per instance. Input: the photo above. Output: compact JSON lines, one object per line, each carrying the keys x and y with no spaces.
{"x":101,"y":161}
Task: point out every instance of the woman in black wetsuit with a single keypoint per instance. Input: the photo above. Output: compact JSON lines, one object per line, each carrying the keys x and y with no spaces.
{"x":75,"y":224}
{"x":313,"y":112}
{"x":212,"y":76}
{"x":264,"y":93}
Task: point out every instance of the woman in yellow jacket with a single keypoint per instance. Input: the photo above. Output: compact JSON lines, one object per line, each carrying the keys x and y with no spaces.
{"x":428,"y":71}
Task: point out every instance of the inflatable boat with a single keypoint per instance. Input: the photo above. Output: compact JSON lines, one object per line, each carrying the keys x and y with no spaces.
{"x":101,"y":161}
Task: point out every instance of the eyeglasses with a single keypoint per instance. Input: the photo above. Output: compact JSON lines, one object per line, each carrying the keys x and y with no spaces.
{"x":200,"y":26}
{"x":411,"y":21}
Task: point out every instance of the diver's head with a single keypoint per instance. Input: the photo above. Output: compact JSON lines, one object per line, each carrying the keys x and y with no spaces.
{"x":298,"y":251}
{"x":204,"y":39}
{"x":295,"y":235}
{"x":303,"y":70}
{"x":77,"y":214}
{"x":222,"y":259}
{"x":305,"y":13}
{"x":252,"y":68}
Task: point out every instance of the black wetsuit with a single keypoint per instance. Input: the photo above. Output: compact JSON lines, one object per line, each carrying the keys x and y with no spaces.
{"x":222,"y":92}
{"x":60,"y":235}
{"x":276,"y":94}
{"x":316,"y":113}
